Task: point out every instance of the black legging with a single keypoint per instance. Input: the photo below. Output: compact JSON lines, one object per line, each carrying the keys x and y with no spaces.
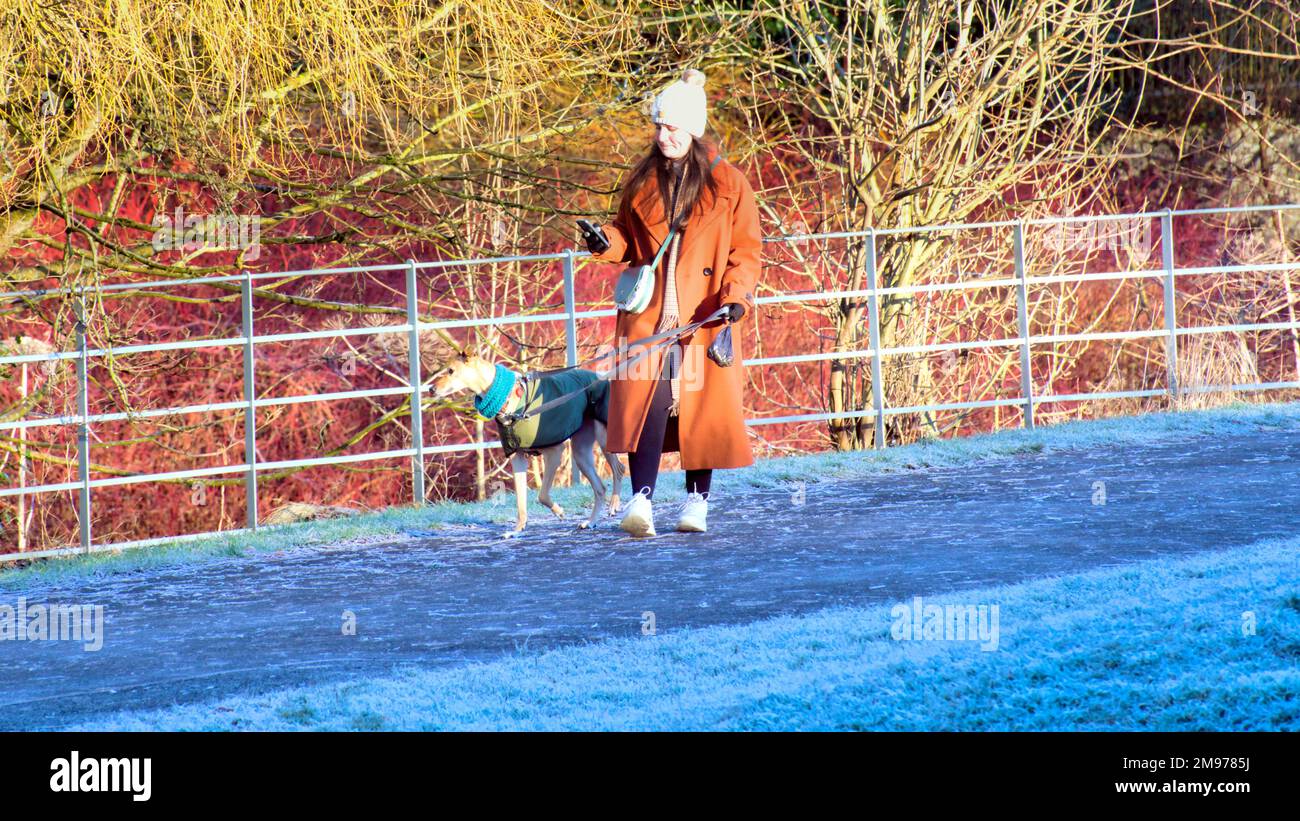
{"x":644,"y":461}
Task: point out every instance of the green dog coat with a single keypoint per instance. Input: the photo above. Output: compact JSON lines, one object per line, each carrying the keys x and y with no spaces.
{"x":557,"y":424}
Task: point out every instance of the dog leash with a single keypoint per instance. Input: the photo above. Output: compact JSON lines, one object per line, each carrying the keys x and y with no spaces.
{"x":653,"y":339}
{"x":663,"y":339}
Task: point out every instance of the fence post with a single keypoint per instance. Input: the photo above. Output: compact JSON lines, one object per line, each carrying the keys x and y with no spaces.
{"x":570,"y":322}
{"x":83,"y":428}
{"x":1171,"y":304}
{"x":250,"y":410}
{"x":1022,"y":309}
{"x":22,"y":467}
{"x":873,"y":333}
{"x":417,"y":380}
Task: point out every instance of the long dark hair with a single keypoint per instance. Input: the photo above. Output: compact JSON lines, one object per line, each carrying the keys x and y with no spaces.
{"x":696,"y":179}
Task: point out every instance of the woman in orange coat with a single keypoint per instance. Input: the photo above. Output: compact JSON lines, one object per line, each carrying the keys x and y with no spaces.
{"x":680,"y":400}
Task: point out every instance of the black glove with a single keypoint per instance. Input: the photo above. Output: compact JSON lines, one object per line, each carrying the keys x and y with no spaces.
{"x":597,"y":242}
{"x":737,"y":311}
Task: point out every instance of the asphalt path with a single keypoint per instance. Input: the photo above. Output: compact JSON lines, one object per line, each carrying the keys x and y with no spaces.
{"x":458,"y":594}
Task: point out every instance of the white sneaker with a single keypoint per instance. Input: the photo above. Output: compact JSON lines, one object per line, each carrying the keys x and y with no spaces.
{"x":638,"y":517}
{"x":694,"y":511}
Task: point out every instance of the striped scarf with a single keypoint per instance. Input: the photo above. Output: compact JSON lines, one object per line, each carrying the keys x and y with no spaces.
{"x":669,"y":318}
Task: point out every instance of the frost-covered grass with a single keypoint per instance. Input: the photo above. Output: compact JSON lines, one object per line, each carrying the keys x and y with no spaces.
{"x":1158,"y":645}
{"x":400,"y":522}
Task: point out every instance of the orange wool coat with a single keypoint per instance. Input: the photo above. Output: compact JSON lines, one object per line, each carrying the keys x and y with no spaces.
{"x":718,"y":261}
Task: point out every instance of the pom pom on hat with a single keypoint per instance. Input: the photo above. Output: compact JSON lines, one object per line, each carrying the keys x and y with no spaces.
{"x":683,"y":104}
{"x":693,"y":76}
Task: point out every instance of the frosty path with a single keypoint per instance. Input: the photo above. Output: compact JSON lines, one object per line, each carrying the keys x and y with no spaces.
{"x":220,"y":627}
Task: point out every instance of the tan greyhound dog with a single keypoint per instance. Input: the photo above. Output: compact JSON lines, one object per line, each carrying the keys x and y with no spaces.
{"x":467,"y":371}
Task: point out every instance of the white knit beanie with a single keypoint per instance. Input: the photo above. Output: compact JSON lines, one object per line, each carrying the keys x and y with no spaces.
{"x":682,"y":104}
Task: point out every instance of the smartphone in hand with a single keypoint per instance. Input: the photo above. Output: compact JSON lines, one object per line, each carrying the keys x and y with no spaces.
{"x":597,"y":242}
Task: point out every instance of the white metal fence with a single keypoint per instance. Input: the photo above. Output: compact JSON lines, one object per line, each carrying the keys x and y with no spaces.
{"x":419,"y":450}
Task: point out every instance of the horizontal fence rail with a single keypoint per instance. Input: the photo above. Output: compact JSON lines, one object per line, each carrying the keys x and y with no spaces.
{"x":416,"y":389}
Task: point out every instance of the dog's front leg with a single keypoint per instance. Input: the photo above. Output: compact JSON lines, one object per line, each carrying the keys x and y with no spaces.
{"x":519,"y":464}
{"x":615,"y":467}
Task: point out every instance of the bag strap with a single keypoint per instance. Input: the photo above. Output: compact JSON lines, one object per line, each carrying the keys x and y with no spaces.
{"x":672,"y":228}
